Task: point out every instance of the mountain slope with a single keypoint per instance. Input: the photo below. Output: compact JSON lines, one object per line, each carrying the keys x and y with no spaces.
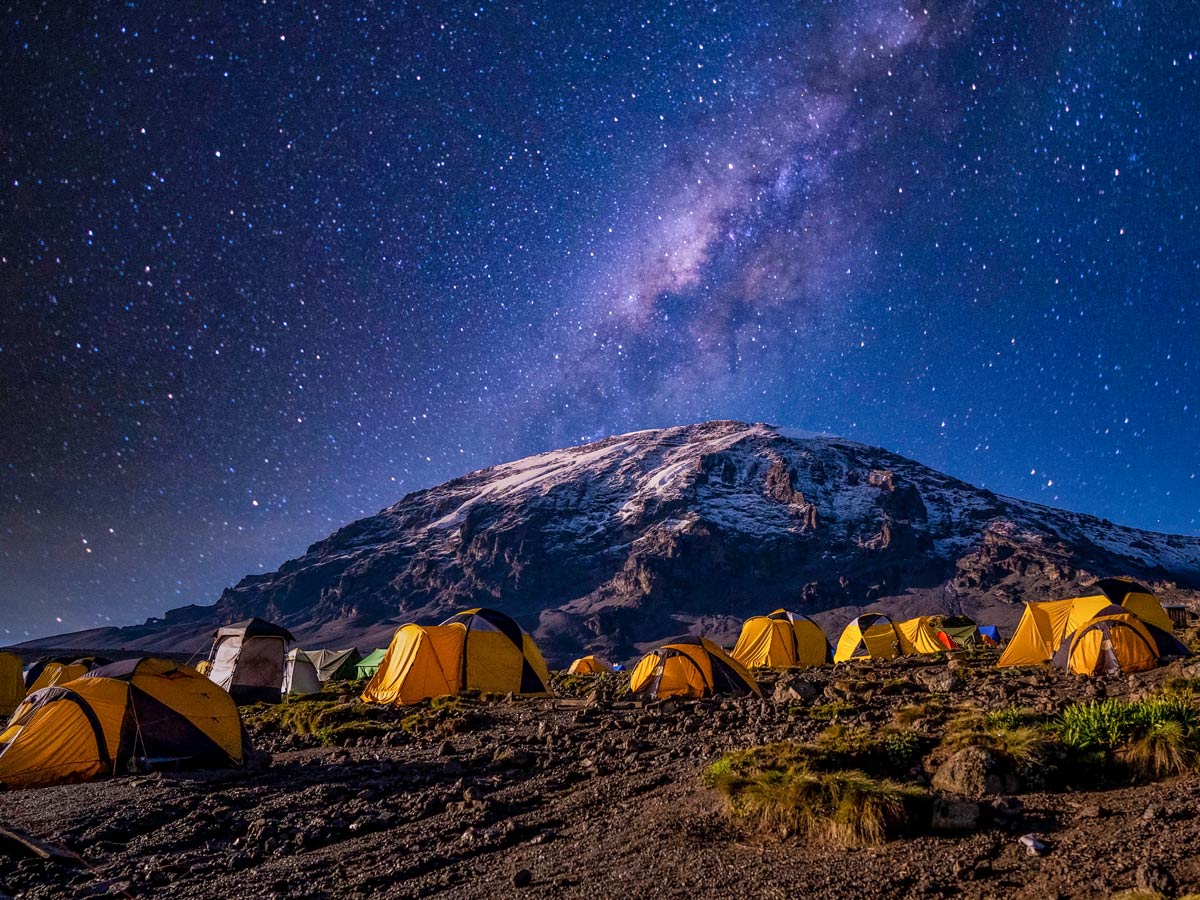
{"x":615,"y":545}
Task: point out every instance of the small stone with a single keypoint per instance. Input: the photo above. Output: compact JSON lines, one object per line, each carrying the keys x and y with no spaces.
{"x":447,"y":749}
{"x":1090,"y":811}
{"x":522,"y":878}
{"x":1150,"y":876}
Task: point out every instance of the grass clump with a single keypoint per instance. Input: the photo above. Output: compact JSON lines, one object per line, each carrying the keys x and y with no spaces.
{"x":888,"y":750}
{"x":328,"y":719}
{"x":441,"y":716}
{"x":1153,"y":738}
{"x":778,"y":787}
{"x":828,"y":712}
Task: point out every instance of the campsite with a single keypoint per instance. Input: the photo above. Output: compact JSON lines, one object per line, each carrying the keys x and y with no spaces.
{"x":463,"y":767}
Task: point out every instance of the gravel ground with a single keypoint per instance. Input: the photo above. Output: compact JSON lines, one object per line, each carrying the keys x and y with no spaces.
{"x":559,"y":799}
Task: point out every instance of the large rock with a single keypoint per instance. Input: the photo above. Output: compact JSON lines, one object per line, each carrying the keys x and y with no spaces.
{"x":973,"y":772}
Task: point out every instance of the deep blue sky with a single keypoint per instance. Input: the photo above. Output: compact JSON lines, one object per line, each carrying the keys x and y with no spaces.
{"x":265,"y":269}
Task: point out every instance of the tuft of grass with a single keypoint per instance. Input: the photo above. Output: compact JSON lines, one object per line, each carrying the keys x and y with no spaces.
{"x":774,"y":787}
{"x":828,"y":712}
{"x":931,"y":708}
{"x":327,"y":718}
{"x":441,"y":716}
{"x":889,"y":750}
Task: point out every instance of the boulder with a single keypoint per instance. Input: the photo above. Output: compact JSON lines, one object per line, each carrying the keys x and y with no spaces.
{"x":939,"y":680}
{"x":973,"y":772}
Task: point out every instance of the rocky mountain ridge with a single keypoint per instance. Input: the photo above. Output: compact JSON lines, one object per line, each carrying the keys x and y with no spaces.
{"x":613,"y":546}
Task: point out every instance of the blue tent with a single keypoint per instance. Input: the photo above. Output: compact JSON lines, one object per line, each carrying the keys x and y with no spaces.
{"x":990,"y":631}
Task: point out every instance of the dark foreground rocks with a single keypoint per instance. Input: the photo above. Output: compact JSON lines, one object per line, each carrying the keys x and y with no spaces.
{"x":596,"y":799}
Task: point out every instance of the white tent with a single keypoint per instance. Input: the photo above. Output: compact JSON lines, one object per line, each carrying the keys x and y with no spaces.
{"x":300,"y":675}
{"x":248,"y":660}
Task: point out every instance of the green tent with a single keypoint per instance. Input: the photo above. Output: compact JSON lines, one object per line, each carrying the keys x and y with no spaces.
{"x":963,"y":635}
{"x":366,"y":666}
{"x":335,"y":665}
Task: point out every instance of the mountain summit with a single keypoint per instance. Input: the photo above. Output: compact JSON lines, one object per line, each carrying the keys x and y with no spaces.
{"x":612,"y":546}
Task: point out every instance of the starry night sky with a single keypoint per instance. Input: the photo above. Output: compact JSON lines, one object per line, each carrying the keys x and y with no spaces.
{"x":265,"y":268}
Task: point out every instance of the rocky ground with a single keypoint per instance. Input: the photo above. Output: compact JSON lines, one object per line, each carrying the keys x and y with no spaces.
{"x":596,"y":796}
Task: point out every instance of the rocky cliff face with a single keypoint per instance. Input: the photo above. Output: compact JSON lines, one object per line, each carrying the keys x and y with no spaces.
{"x":611,"y":547}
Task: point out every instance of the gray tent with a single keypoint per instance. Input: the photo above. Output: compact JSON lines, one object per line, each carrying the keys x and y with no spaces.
{"x":248,"y":660}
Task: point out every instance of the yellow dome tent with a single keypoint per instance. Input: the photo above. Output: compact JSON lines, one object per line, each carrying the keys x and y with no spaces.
{"x":477,"y":650}
{"x":133,"y":714}
{"x":870,"y":636}
{"x":1045,"y":626}
{"x":12,"y":684}
{"x":47,"y":672}
{"x":691,"y":667}
{"x":1137,"y":599}
{"x":1114,"y":641}
{"x":590,"y":665}
{"x":781,"y":640}
{"x":919,"y":636}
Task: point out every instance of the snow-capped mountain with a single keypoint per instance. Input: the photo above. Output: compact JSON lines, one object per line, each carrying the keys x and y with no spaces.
{"x":613,"y":546}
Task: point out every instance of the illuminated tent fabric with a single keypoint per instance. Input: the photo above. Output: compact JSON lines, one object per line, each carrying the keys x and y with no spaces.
{"x":248,"y":660}
{"x":477,"y":650}
{"x":870,"y":636}
{"x":918,"y":636}
{"x":300,"y":676}
{"x":12,"y":684}
{"x":1137,"y":599}
{"x":1043,"y":627}
{"x":59,"y":670}
{"x":781,"y":640}
{"x":691,"y":667}
{"x":947,"y":642}
{"x":1114,"y":640}
{"x":590,"y":665}
{"x":204,"y":667}
{"x":131,"y":715}
{"x":989,"y":633}
{"x":369,"y":664}
{"x":334,"y":665}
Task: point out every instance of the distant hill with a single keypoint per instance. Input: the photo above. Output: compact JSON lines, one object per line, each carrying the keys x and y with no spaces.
{"x":611,"y":547}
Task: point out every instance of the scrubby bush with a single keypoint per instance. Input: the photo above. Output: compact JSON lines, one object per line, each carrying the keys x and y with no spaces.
{"x":1153,"y":738}
{"x":778,"y":787}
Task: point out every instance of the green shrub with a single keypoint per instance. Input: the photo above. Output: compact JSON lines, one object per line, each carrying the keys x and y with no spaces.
{"x":1153,"y":738}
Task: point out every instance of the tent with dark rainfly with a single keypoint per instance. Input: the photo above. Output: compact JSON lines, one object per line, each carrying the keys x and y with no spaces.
{"x":692,"y":667}
{"x":476,"y":650}
{"x":132,"y":715}
{"x":248,"y":660}
{"x":870,"y":636}
{"x":781,"y":640}
{"x":1138,"y":599}
{"x":369,"y":664}
{"x":590,"y":665}
{"x":12,"y":684}
{"x":1116,"y":640}
{"x":334,"y":665}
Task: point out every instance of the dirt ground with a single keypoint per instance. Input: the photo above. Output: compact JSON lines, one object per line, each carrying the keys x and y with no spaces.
{"x":552,"y":799}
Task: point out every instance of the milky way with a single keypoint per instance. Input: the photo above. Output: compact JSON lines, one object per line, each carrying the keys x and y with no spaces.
{"x":267,"y":268}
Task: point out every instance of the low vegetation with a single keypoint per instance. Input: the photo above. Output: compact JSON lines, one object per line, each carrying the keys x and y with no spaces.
{"x":781,"y":787}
